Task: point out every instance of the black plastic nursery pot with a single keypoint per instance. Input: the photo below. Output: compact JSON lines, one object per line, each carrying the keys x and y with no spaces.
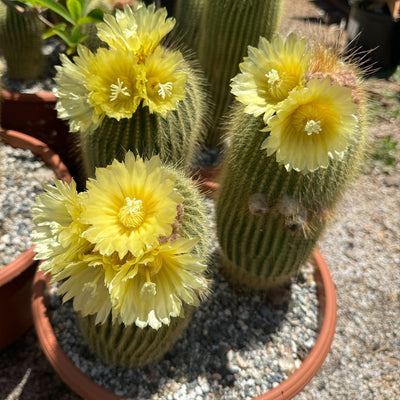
{"x":376,"y":33}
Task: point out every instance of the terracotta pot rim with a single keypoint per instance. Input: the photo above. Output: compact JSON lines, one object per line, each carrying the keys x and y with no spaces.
{"x":52,"y":160}
{"x":46,"y":96}
{"x":88,"y":389}
{"x":16,"y":277}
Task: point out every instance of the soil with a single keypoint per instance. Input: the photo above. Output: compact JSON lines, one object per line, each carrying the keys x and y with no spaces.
{"x":361,"y":248}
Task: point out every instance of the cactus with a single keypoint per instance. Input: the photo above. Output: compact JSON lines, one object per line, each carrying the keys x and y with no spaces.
{"x":136,"y":274}
{"x":21,"y":41}
{"x":139,"y":95}
{"x":220,"y":38}
{"x":133,"y":346}
{"x":274,"y":201}
{"x":174,"y":137}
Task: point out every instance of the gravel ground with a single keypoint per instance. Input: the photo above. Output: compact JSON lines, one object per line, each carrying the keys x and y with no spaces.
{"x":17,"y":192}
{"x":361,"y":247}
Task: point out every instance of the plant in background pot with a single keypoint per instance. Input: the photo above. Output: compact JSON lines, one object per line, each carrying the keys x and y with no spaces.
{"x":296,"y":139}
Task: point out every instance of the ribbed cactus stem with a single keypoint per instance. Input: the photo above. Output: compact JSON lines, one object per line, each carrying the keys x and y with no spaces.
{"x":225,"y":29}
{"x":188,"y":15}
{"x":21,"y":42}
{"x":130,"y":346}
{"x":174,"y":138}
{"x":269,"y":219}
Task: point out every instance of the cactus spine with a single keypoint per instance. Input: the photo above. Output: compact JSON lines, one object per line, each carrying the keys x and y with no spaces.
{"x":270,"y":218}
{"x":225,"y":29}
{"x":21,"y":42}
{"x":132,"y":346}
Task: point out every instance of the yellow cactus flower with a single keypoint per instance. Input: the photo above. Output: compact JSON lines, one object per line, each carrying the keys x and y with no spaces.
{"x":72,"y":93}
{"x":139,"y":29}
{"x":314,"y":124}
{"x":149,"y":290}
{"x":117,"y":248}
{"x":114,"y":88}
{"x":270,"y":73}
{"x":165,"y":81}
{"x":85,"y":284}
{"x":129,"y":205}
{"x":57,"y":231}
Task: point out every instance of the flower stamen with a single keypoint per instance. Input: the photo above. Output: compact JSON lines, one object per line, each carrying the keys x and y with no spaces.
{"x":273,"y":77}
{"x":313,"y":127}
{"x":165,"y":89}
{"x":117,"y":89}
{"x":131,"y":215}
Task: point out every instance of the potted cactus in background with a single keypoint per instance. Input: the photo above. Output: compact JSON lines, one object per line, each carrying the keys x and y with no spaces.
{"x":296,"y":139}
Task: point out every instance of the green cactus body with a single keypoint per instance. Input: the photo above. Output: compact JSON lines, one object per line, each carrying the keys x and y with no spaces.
{"x":226,"y":28}
{"x":188,"y":15}
{"x":269,"y":219}
{"x":21,"y":42}
{"x":131,"y":346}
{"x":175,"y":138}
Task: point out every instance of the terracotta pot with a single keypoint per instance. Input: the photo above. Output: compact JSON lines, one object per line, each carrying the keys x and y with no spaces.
{"x":89,"y":390}
{"x":16,"y":278}
{"x":35,"y":115}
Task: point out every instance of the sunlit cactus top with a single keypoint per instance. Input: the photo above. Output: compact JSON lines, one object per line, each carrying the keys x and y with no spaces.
{"x":310,"y":118}
{"x":134,"y":70}
{"x":117,"y":247}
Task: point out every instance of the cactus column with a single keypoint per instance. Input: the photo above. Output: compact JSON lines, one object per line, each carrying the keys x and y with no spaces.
{"x":225,"y":29}
{"x":21,"y":42}
{"x":284,"y":172}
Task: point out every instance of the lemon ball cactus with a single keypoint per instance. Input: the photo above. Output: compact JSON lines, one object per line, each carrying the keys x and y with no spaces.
{"x":296,"y":138}
{"x":137,"y":94}
{"x":131,"y":252}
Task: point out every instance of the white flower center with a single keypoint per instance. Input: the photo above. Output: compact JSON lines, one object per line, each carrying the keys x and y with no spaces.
{"x":273,"y":77}
{"x":165,"y":89}
{"x":117,"y":89}
{"x":132,"y":214}
{"x":313,"y":127}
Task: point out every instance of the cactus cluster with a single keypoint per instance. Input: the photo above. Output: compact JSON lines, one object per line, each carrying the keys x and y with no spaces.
{"x":131,"y":250}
